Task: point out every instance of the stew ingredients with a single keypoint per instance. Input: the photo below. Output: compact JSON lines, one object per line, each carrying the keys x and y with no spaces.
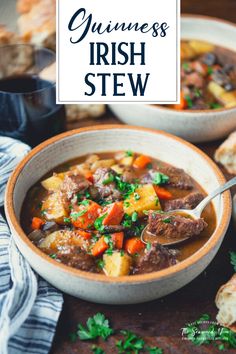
{"x":90,"y":212}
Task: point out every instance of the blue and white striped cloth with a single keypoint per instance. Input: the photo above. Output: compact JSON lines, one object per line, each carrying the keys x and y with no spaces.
{"x":29,"y":306}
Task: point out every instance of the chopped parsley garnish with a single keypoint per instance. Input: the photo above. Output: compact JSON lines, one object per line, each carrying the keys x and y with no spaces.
{"x":198,"y":333}
{"x":215,"y":105}
{"x":103,"y":202}
{"x":67,"y":220}
{"x":76,"y":215}
{"x":109,"y":242}
{"x":53,"y":255}
{"x":197,"y":92}
{"x":209,"y":70}
{"x":136,"y":196}
{"x":84,"y":202}
{"x":39,"y":206}
{"x":124,"y":187}
{"x":129,"y":153}
{"x":98,"y":223}
{"x":97,"y":350}
{"x":109,"y":180}
{"x":127,"y":222}
{"x":149,"y":166}
{"x":189,"y":101}
{"x":185,"y":66}
{"x":126,"y":204}
{"x":157,"y":201}
{"x":130,"y":344}
{"x":233,"y":259}
{"x":87,"y":195}
{"x":166,"y":220}
{"x":43,"y":212}
{"x":100,"y":263}
{"x":122,"y":253}
{"x":148,"y":246}
{"x":97,"y":326}
{"x":160,"y":178}
{"x":154,"y":350}
{"x":134,"y":216}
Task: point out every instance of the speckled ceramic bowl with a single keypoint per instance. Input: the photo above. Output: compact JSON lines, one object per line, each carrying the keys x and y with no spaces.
{"x":198,"y":125}
{"x":98,"y":287}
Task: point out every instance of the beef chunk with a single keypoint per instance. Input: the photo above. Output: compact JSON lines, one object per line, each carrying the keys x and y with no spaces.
{"x":174,"y":226}
{"x":106,"y":189}
{"x":177,"y":177}
{"x":154,"y":259}
{"x":128,"y":175}
{"x":73,"y":184}
{"x":78,"y":259}
{"x":188,"y":202}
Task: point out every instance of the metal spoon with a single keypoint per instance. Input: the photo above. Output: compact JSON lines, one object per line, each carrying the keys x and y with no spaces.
{"x":194,"y":214}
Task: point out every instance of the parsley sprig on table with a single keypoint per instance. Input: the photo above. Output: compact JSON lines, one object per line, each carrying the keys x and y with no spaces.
{"x":96,"y":326}
{"x":233,"y":259}
{"x":210,"y":333}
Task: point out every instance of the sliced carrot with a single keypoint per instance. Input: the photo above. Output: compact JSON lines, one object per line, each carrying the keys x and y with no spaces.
{"x":37,"y":223}
{"x":84,"y":234}
{"x":89,"y":215}
{"x":100,"y":247}
{"x":183,"y":103}
{"x":162,"y":193}
{"x":118,"y":239}
{"x":115,"y":213}
{"x":142,"y":161}
{"x":89,"y":176}
{"x":134,"y":245}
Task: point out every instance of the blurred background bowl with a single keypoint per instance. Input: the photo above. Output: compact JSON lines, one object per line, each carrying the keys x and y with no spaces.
{"x":198,"y":125}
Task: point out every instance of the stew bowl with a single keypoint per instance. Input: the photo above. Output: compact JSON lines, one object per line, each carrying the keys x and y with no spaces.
{"x":192,"y":125}
{"x":97,"y":287}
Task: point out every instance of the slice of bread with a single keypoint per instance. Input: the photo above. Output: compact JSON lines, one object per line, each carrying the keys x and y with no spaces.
{"x":226,"y":153}
{"x":226,"y":303}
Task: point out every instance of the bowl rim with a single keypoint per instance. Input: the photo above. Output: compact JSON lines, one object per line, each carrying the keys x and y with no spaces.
{"x":199,"y":111}
{"x":134,"y":279}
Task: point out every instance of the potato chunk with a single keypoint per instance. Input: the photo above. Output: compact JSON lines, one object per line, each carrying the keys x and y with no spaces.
{"x":102,"y":164}
{"x":54,"y":208}
{"x":54,"y":182}
{"x":62,"y":238}
{"x":228,"y":99}
{"x":187,"y":52}
{"x":127,"y":161}
{"x":201,"y":47}
{"x":216,"y":90}
{"x":148,"y":200}
{"x":116,"y":265}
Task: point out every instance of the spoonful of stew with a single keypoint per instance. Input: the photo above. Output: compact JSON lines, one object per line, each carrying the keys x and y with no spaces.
{"x":173,"y":227}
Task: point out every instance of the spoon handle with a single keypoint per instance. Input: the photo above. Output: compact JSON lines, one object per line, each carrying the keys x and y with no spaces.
{"x":212,"y":195}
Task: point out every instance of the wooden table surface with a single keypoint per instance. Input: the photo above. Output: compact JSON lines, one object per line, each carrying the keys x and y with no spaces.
{"x":160,"y":321}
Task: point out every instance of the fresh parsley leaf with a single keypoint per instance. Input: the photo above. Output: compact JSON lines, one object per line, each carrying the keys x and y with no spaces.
{"x":67,"y":220}
{"x":209,"y":70}
{"x":134,"y":216}
{"x":97,"y":326}
{"x":110,"y":179}
{"x":148,"y":246}
{"x":130,"y":344}
{"x":98,"y":223}
{"x":126,"y":204}
{"x":136,"y":196}
{"x":189,"y":101}
{"x":43,"y":212}
{"x":97,"y":350}
{"x":215,"y":105}
{"x":127,"y":222}
{"x":87,"y":195}
{"x":84,"y":202}
{"x":153,"y":350}
{"x":129,"y":153}
{"x":149,"y":166}
{"x":166,"y":220}
{"x":160,"y":178}
{"x":185,"y":66}
{"x":100,"y":263}
{"x":53,"y":255}
{"x":76,"y":215}
{"x":233,"y":259}
{"x":124,"y":187}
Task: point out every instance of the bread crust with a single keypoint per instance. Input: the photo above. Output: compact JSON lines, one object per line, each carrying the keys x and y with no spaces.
{"x":226,"y":153}
{"x":226,"y":304}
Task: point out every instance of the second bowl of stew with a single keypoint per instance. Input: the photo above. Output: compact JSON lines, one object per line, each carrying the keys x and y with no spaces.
{"x":78,"y":203}
{"x":207,"y":108}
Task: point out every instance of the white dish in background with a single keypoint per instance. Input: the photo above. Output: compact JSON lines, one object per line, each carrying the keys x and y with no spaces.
{"x":194,"y":126}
